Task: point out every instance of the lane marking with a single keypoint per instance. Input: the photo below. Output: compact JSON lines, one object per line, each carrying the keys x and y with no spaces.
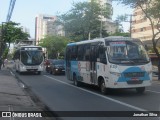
{"x":153,"y":91}
{"x":156,"y":82}
{"x":12,"y":73}
{"x":105,"y":97}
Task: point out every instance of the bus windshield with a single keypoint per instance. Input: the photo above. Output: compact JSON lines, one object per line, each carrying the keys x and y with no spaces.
{"x":126,"y":52}
{"x":31,"y":57}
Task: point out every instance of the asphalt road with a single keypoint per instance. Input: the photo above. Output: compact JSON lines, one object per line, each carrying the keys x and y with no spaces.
{"x":59,"y":94}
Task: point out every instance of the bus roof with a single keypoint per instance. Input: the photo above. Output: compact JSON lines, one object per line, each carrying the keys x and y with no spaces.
{"x":110,"y":38}
{"x":29,"y":46}
{"x":120,"y":38}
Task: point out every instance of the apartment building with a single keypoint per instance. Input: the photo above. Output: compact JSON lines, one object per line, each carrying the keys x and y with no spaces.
{"x":108,"y":23}
{"x":141,"y":27}
{"x":45,"y":25}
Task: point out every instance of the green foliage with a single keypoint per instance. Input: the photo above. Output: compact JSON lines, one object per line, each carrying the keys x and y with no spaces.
{"x":5,"y":53}
{"x":55,"y":45}
{"x":84,"y":19}
{"x":121,"y":34}
{"x":151,"y":11}
{"x":119,"y":20}
{"x":11,"y":32}
{"x":151,"y":49}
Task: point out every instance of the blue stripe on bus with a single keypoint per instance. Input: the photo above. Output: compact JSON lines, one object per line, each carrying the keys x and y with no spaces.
{"x":74,"y":67}
{"x":71,"y":44}
{"x":131,"y":70}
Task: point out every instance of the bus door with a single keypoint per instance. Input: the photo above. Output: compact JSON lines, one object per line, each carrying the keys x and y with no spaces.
{"x":68,"y":64}
{"x":93,"y":59}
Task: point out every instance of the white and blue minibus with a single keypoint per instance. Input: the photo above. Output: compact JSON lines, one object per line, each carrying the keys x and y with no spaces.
{"x":111,"y":62}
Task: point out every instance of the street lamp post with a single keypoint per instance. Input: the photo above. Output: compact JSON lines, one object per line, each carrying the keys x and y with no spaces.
{"x":100,"y":34}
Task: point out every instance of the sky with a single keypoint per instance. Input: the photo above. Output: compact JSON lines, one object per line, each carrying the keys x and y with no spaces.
{"x":25,"y":11}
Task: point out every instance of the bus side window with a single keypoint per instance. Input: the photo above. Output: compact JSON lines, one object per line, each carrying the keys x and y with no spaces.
{"x":74,"y":53}
{"x":102,"y":55}
{"x":68,"y":50}
{"x":93,"y":53}
{"x":80,"y":52}
{"x":87,"y":52}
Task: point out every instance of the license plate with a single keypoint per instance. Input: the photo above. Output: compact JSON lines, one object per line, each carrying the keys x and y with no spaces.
{"x":31,"y":67}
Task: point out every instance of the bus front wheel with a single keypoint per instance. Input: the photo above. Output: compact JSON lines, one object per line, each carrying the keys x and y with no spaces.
{"x":39,"y":72}
{"x":103,"y":87}
{"x":140,"y":90}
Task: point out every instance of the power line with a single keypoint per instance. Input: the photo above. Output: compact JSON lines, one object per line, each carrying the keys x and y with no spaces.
{"x":10,"y":10}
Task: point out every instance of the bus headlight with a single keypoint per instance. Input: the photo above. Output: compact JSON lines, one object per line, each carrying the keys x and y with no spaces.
{"x":22,"y":66}
{"x":149,"y":72}
{"x":41,"y":66}
{"x":116,"y":74}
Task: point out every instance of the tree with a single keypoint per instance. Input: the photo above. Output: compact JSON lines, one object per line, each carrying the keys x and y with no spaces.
{"x":119,"y":30}
{"x":84,"y":20}
{"x":151,"y":11}
{"x":55,"y":45}
{"x":9,"y":33}
{"x":117,"y":33}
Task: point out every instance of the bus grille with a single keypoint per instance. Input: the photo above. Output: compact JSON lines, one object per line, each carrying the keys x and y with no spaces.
{"x":134,"y":74}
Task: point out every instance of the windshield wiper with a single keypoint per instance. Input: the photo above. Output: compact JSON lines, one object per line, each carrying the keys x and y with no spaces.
{"x":122,"y":60}
{"x":140,"y":59}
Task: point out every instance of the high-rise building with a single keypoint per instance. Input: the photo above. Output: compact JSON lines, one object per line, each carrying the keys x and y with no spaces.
{"x":44,"y":25}
{"x":108,"y":23}
{"x":25,"y":29}
{"x":107,"y":4}
{"x":141,"y":27}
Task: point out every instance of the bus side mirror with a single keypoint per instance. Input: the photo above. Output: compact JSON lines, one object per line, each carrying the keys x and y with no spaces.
{"x":98,"y":59}
{"x":105,"y":48}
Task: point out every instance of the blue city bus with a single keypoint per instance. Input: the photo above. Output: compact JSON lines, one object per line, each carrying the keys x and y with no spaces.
{"x":111,"y":62}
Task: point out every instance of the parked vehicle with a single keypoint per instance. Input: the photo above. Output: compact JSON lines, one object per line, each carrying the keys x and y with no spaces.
{"x":48,"y":63}
{"x":57,"y":67}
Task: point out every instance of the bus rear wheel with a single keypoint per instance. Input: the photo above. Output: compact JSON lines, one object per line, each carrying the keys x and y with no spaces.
{"x":103,"y":87}
{"x":140,"y":90}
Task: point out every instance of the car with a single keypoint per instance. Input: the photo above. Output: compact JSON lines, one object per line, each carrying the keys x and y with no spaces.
{"x":155,"y":70}
{"x":57,"y":67}
{"x":47,"y":64}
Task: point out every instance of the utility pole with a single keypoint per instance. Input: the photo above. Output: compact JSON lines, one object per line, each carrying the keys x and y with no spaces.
{"x":10,"y":10}
{"x":131,"y":25}
{"x":130,"y":21}
{"x":100,"y":32}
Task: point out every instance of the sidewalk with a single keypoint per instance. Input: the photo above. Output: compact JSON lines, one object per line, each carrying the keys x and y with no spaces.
{"x":14,"y":98}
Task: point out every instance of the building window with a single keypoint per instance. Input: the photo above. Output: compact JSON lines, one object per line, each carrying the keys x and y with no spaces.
{"x":141,"y":29}
{"x":135,"y":13}
{"x":134,"y":30}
